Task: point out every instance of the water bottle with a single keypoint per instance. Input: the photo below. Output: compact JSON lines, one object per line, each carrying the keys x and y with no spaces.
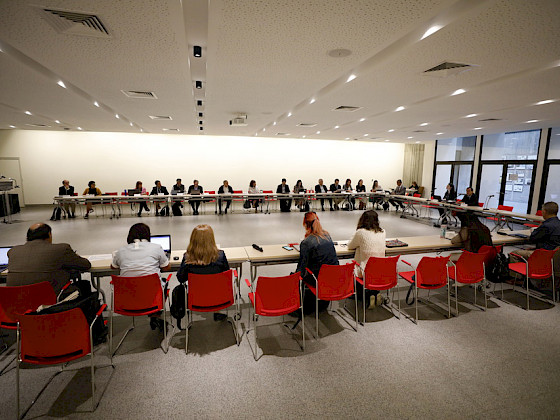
{"x":443,"y":230}
{"x":125,"y":192}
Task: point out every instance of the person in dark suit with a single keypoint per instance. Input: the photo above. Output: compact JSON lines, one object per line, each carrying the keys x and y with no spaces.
{"x":285,"y":203}
{"x":336,"y":188}
{"x":178,"y":188}
{"x":321,"y":188}
{"x":225,"y":189}
{"x":470,"y":198}
{"x":158,"y":189}
{"x":450,"y":195}
{"x":203,"y":257}
{"x":195,"y":189}
{"x":67,"y":189}
{"x":40,"y":260}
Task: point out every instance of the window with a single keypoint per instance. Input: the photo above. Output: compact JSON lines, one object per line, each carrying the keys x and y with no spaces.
{"x":554,"y":145}
{"x":521,"y":145}
{"x":456,"y":149}
{"x":454,"y":161}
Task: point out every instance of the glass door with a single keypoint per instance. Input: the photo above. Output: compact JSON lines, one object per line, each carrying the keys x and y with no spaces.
{"x":490,"y":185}
{"x":462,"y":177}
{"x":552,"y":191}
{"x":518,"y":186}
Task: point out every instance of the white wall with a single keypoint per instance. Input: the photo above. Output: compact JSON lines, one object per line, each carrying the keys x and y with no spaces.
{"x":117,"y":160}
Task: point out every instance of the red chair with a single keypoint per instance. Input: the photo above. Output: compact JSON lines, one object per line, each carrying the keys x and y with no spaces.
{"x":380,"y":274}
{"x":211,"y":200}
{"x":56,"y":339}
{"x":335,"y":282}
{"x":533,"y":225}
{"x":539,"y":266}
{"x":212,"y":293}
{"x":137,"y":296}
{"x":275,"y":296}
{"x":469,"y":270}
{"x":500,"y":220}
{"x":430,"y":274}
{"x":16,"y":300}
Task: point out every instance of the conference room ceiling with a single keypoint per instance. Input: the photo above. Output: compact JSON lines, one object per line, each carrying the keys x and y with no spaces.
{"x":269,"y":59}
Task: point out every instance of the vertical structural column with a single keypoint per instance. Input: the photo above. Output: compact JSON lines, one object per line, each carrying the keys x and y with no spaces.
{"x":539,"y":170}
{"x":476,"y":163}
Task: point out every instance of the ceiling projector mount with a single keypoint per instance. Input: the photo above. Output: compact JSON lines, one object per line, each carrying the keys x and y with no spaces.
{"x":239,"y":121}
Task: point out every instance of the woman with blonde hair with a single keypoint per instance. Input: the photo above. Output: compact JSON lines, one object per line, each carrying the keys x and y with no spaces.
{"x":315,"y":250}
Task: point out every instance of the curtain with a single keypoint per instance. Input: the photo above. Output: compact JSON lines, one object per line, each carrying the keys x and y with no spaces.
{"x":413,"y":164}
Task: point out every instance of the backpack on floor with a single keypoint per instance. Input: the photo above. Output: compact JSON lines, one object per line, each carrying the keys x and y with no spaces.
{"x":56,"y":213}
{"x":178,"y":304}
{"x":164,"y":211}
{"x":499,"y":271}
{"x":176,"y":210}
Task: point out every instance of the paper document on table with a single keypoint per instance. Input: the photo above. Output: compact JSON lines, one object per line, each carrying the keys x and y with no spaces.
{"x":342,"y":243}
{"x":450,"y":235}
{"x":100,"y":257}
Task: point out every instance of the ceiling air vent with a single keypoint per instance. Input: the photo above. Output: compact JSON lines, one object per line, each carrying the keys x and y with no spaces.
{"x":346,"y":108}
{"x":307,"y":124}
{"x":491,"y":119}
{"x":161,"y":117}
{"x":75,"y":23}
{"x":170,"y":129}
{"x":282,"y":134}
{"x":139,"y":94}
{"x":37,"y":125}
{"x":419,"y":131}
{"x":447,"y":69}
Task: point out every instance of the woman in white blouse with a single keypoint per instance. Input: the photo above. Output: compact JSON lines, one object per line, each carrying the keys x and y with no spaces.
{"x":253,"y":189}
{"x":368,"y":241}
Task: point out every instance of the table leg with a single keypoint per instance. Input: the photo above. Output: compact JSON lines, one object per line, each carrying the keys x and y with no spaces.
{"x":96,"y":282}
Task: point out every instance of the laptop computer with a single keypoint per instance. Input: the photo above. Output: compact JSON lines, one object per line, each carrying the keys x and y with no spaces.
{"x":4,"y":257}
{"x":164,"y":241}
{"x":133,"y":191}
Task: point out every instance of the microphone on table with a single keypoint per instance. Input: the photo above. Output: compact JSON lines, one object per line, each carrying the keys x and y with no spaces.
{"x":258,"y":248}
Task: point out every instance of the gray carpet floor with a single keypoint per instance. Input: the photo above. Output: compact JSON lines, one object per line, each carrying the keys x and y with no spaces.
{"x":502,"y":363}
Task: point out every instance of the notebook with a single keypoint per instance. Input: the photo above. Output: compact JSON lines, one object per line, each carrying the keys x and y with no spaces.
{"x":4,"y":257}
{"x":164,"y":241}
{"x":395,"y":243}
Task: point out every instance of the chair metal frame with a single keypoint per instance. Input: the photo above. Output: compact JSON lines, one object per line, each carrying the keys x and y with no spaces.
{"x":165,"y":300}
{"x":455,"y":273}
{"x":317,"y":292}
{"x":528,"y":277}
{"x":20,"y":360}
{"x":363,"y":281}
{"x":428,"y":288}
{"x":234,"y":322}
{"x":255,"y":317}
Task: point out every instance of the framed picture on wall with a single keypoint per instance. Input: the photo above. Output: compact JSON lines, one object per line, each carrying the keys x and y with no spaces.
{"x":520,"y":167}
{"x":509,"y":187}
{"x":518,"y":188}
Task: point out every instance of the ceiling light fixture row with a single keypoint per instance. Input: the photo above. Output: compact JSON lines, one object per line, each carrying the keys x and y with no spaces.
{"x":198,"y":84}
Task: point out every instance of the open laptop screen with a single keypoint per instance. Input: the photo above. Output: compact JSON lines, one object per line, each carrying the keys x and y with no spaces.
{"x":4,"y":255}
{"x":163,"y":240}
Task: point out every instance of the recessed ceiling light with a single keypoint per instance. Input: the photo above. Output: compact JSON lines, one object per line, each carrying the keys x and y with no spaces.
{"x":12,"y":126}
{"x":28,"y":113}
{"x":387,"y":140}
{"x":458,"y":92}
{"x":532,"y":121}
{"x":303,"y":137}
{"x":264,"y":129}
{"x":197,"y":51}
{"x":365,"y":135}
{"x":56,"y":121}
{"x":362,"y":119}
{"x":423,"y":124}
{"x":198,"y":84}
{"x":391,"y":130}
{"x":431,"y":30}
{"x":79,"y":128}
{"x":336,"y":126}
{"x":61,"y":84}
{"x":312,"y":101}
{"x":470,"y":115}
{"x":350,"y":78}
{"x":416,"y":142}
{"x":141,"y":130}
{"x":477,"y":128}
{"x":289,"y":114}
{"x":547,"y":101}
{"x":274,"y":123}
{"x":131,"y":124}
{"x":410,"y":137}
{"x":439,"y":134}
{"x":117,"y":116}
{"x":347,"y":138}
{"x":400,"y":108}
{"x":318,"y":132}
{"x":96,"y":104}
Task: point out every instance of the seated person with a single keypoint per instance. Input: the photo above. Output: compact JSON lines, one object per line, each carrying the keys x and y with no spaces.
{"x":361,"y":188}
{"x":176,"y":207}
{"x":348,"y":188}
{"x":377,"y":200}
{"x":40,"y":260}
{"x":142,"y":204}
{"x":337,"y":189}
{"x":141,"y":258}
{"x":470,"y":198}
{"x":546,"y":236}
{"x":414,"y":186}
{"x":399,"y":190}
{"x":450,"y":195}
{"x":368,"y":241}
{"x":67,"y":189}
{"x":315,"y":250}
{"x":225,"y":189}
{"x":195,"y":189}
{"x":157,"y":190}
{"x":472,"y":236}
{"x":253,"y":189}
{"x":203,"y":257}
{"x":321,"y":188}
{"x":90,"y":190}
{"x":285,"y":203}
{"x":299,"y":188}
